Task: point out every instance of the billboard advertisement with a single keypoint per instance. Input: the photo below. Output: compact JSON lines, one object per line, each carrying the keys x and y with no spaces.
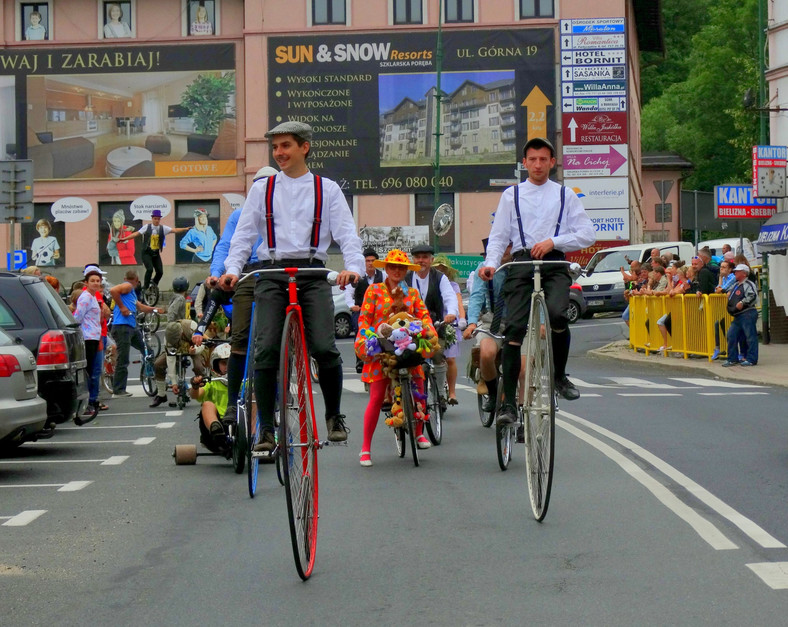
{"x":372,"y":102}
{"x":124,"y":111}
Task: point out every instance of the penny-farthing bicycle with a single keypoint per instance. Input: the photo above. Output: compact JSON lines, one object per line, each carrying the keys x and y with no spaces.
{"x":297,"y":441}
{"x":539,"y":404}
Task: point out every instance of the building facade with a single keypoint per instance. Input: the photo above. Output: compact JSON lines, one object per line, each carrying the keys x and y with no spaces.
{"x":172,"y":112}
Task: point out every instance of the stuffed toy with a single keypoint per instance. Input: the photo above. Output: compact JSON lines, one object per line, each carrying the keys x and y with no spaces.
{"x":401,"y":340}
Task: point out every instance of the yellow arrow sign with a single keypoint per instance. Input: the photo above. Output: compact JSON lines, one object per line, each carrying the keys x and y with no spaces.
{"x":536,"y":121}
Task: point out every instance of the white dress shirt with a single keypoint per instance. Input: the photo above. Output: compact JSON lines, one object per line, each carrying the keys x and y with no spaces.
{"x":540,"y":206}
{"x":294,"y":212}
{"x":450,"y":304}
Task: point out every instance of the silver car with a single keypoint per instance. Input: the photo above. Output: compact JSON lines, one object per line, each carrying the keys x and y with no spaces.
{"x":23,"y":413}
{"x":343,"y":322}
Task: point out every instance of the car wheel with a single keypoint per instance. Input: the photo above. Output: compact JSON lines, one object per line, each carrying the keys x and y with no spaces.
{"x":572,"y":312}
{"x":342,"y":325}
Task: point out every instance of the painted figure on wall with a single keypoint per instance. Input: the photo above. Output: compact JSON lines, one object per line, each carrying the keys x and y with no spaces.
{"x":44,"y":249}
{"x":120,"y":252}
{"x":116,"y":26}
{"x":202,"y":23}
{"x":200,"y":239}
{"x":35,"y":30}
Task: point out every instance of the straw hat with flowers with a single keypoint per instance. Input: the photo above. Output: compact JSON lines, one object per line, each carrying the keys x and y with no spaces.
{"x":396,"y":257}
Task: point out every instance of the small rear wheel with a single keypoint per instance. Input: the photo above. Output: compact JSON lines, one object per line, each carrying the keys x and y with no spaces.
{"x":504,"y":438}
{"x":434,"y":422}
{"x":486,"y":417}
{"x":410,"y":419}
{"x":185,"y":454}
{"x":150,"y":295}
{"x":240,"y":439}
{"x":148,"y":380}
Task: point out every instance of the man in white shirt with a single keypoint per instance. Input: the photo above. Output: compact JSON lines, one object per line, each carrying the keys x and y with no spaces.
{"x":307,"y":212}
{"x":543,"y":221}
{"x":438,"y":297}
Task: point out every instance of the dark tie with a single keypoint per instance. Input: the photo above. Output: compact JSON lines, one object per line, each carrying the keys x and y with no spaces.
{"x":497,"y":308}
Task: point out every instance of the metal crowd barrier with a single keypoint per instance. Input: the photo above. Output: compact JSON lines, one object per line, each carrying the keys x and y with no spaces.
{"x":691,"y":325}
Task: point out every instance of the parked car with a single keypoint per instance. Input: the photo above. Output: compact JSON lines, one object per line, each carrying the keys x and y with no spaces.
{"x":343,"y":322}
{"x":577,"y":304}
{"x":32,"y":312}
{"x":23,"y":413}
{"x":602,"y":283}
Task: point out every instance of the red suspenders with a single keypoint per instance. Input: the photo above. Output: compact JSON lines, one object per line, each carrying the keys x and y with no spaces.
{"x":314,"y":240}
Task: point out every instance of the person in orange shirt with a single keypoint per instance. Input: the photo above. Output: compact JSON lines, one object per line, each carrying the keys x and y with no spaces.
{"x":379,"y":300}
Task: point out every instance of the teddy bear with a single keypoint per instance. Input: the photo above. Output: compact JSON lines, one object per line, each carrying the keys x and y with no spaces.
{"x":401,"y":340}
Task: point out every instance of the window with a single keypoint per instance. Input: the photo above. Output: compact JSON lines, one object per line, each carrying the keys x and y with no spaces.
{"x":200,"y":18}
{"x":425,"y":207}
{"x":328,"y":12}
{"x":407,"y":12}
{"x":536,"y":8}
{"x":459,"y":11}
{"x":34,"y":21}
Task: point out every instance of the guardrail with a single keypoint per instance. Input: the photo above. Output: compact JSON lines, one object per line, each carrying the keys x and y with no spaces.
{"x":691,"y":326}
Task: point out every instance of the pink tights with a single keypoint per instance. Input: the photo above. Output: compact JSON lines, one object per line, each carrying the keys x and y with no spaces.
{"x":377,"y":392}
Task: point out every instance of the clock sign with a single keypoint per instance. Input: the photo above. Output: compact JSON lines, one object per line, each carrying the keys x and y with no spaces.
{"x":769,"y":171}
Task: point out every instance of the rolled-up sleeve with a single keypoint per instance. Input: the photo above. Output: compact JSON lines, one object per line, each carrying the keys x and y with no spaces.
{"x":343,"y":230}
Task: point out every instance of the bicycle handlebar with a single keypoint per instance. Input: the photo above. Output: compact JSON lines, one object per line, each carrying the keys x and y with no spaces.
{"x":487,"y":332}
{"x":331,"y":275}
{"x":533,"y":262}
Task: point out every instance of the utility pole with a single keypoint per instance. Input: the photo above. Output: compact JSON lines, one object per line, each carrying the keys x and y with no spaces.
{"x":764,"y":136}
{"x":438,"y":98}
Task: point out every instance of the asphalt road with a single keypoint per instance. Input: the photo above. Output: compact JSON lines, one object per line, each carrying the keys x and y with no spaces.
{"x":668,"y":507}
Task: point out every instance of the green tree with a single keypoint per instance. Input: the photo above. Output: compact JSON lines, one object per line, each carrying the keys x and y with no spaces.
{"x":207,"y":99}
{"x":702,"y":117}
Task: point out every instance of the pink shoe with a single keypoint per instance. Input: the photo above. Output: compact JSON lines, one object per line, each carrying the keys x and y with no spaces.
{"x":423,"y":442}
{"x":365,"y":459}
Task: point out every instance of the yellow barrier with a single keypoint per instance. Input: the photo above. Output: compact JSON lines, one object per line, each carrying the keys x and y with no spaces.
{"x":691,"y":325}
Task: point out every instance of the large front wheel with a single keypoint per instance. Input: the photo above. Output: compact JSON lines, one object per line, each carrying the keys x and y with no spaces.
{"x":297,"y":443}
{"x":410,"y":418}
{"x":539,"y":408}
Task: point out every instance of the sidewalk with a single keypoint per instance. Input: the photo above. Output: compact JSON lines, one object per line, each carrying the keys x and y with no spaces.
{"x":772,"y":368}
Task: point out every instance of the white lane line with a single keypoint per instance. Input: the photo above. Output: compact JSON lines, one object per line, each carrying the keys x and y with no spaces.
{"x":642,"y":394}
{"x":702,"y":527}
{"x":111,"y":461}
{"x":646,"y":384}
{"x":587,"y":395}
{"x":355,"y":386}
{"x":160,"y":425}
{"x":129,"y":413}
{"x":733,"y":394}
{"x":138,"y":441}
{"x":174,"y":413}
{"x":71,"y":486}
{"x":115,"y":460}
{"x":750,"y":528}
{"x":23,"y":518}
{"x":715,"y":383}
{"x":773,"y":574}
{"x":581,"y":327}
{"x":585,"y":384}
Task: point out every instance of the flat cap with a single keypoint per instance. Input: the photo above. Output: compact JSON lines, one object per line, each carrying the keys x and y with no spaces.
{"x":291,"y":127}
{"x":742,"y":267}
{"x":539,"y":142}
{"x":422,"y":248}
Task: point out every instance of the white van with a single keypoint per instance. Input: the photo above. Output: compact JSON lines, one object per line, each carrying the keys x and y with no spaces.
{"x":745,"y":246}
{"x":602,"y":283}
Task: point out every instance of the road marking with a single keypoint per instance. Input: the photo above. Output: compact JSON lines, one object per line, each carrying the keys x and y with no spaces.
{"x":174,"y":413}
{"x":115,"y":460}
{"x":702,"y":527}
{"x":580,"y":327}
{"x":642,"y":394}
{"x":733,"y":394}
{"x":71,"y":486}
{"x":747,"y":526}
{"x":137,"y":442}
{"x":585,"y":384}
{"x":159,"y":425}
{"x":645,"y":384}
{"x":773,"y":574}
{"x":111,"y":461}
{"x":23,"y":518}
{"x":715,"y":383}
{"x":128,"y":413}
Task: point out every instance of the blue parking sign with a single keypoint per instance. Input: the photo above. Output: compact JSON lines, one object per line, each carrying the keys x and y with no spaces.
{"x":16,"y":260}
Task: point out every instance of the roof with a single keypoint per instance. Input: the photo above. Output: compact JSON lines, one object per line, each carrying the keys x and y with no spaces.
{"x":664,"y":161}
{"x":648,"y":21}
